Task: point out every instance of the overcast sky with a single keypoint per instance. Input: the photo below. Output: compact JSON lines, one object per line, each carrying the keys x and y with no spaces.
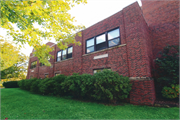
{"x":91,"y":13}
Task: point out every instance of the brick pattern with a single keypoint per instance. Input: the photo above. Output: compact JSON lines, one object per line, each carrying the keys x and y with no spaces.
{"x":143,"y":92}
{"x":163,"y":20}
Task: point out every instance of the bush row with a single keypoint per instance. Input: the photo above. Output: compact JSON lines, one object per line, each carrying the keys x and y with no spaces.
{"x":11,"y":84}
{"x":107,"y":86}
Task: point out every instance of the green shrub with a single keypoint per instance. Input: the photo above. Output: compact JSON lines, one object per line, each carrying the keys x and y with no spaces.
{"x":57,"y":84}
{"x":46,"y":86}
{"x":28,"y":83}
{"x":71,"y":85}
{"x":11,"y":84}
{"x":110,"y":86}
{"x":87,"y":86}
{"x":171,"y":92}
{"x":52,"y":86}
{"x":167,"y":65}
{"x":35,"y":86}
{"x":21,"y":84}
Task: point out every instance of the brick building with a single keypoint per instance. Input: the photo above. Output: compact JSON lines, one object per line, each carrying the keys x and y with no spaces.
{"x":126,"y":42}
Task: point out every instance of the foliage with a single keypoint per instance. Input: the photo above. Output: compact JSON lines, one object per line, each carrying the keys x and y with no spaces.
{"x":171,"y":92}
{"x":57,"y":84}
{"x":51,"y":15}
{"x":167,"y":65}
{"x":11,"y":84}
{"x":52,"y":86}
{"x":21,"y":84}
{"x":106,"y":86}
{"x":110,"y":86}
{"x":72,"y":84}
{"x":11,"y":61}
{"x":26,"y":84}
{"x":87,"y":86}
{"x":34,"y":86}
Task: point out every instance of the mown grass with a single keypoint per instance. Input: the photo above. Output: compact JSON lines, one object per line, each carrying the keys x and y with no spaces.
{"x":19,"y":104}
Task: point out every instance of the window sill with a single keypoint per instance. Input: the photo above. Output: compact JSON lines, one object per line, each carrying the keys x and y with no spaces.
{"x":64,"y":60}
{"x":105,"y":49}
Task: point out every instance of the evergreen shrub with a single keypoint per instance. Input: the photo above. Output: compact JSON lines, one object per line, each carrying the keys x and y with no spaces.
{"x":11,"y":84}
{"x":110,"y":86}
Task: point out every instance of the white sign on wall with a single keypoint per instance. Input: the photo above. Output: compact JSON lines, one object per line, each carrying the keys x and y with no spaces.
{"x":100,"y":56}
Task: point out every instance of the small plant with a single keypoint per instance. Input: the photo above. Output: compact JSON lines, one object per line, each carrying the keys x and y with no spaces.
{"x":171,"y":92}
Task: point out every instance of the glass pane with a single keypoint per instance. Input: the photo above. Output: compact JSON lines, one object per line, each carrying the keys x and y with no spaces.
{"x":59,"y":58}
{"x":101,"y":46}
{"x":59,"y":54}
{"x":69,"y":55}
{"x":113,"y":34}
{"x":63,"y":57}
{"x":64,"y":52}
{"x":114,"y":42}
{"x":90,"y":42}
{"x":70,"y":50}
{"x":90,"y":49}
{"x":100,"y":39}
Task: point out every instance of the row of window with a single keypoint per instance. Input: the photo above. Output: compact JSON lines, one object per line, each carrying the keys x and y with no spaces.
{"x":65,"y":54}
{"x":105,"y":40}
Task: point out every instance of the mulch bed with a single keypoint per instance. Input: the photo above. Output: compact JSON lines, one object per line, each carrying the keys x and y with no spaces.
{"x":160,"y":102}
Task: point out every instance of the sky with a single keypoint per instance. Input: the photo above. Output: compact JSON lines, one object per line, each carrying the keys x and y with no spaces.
{"x":89,"y":14}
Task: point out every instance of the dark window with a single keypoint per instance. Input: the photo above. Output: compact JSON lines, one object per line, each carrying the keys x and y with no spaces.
{"x":33,"y":64}
{"x":108,"y":39}
{"x":69,"y":55}
{"x":56,"y":74}
{"x":100,"y":70}
{"x":64,"y":54}
{"x":41,"y":64}
{"x":46,"y":76}
{"x":90,"y":45}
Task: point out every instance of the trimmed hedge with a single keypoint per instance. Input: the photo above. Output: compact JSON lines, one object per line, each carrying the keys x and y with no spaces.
{"x":106,"y":86}
{"x":110,"y":86}
{"x":11,"y":84}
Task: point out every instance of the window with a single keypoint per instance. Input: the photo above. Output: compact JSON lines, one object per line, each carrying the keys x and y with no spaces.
{"x":41,"y":64}
{"x":33,"y":64}
{"x":46,"y":76}
{"x":69,"y":55}
{"x":90,"y":45}
{"x":99,"y":70}
{"x":103,"y":41}
{"x":64,"y":54}
{"x":113,"y":38}
{"x":59,"y":56}
{"x":56,"y":74}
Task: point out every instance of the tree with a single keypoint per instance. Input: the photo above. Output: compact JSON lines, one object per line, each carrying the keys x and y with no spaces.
{"x":167,"y":65}
{"x":12,"y":61}
{"x":51,"y":15}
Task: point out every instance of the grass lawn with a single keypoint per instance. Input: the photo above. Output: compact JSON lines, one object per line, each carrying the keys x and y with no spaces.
{"x":19,"y":104}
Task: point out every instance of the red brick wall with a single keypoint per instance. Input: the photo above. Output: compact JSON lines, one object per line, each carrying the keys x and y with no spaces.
{"x":163,"y":20}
